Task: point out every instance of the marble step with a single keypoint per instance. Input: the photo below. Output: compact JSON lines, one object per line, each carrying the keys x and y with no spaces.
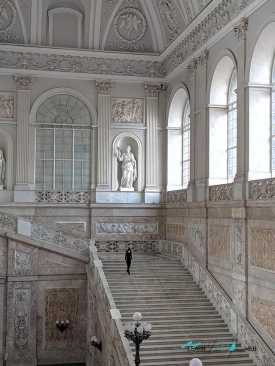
{"x":167,"y":305}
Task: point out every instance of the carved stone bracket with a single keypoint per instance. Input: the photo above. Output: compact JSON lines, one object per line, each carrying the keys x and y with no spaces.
{"x":240,"y":29}
{"x":152,"y":90}
{"x":104,"y":87}
{"x":203,"y":59}
{"x":24,"y":82}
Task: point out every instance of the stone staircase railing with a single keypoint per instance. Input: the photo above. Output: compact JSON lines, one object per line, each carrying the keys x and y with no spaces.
{"x":235,"y":321}
{"x":37,"y":231}
{"x":111,"y":314}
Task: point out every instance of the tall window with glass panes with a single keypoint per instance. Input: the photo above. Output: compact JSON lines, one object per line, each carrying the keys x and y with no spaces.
{"x":63,"y":145}
{"x":232,"y":129}
{"x":273,"y":124}
{"x":186,"y":144}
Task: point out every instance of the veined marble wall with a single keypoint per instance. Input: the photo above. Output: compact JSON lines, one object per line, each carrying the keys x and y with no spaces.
{"x":41,"y":287}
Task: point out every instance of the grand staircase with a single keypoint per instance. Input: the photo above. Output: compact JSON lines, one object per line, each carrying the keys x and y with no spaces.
{"x":164,"y":292}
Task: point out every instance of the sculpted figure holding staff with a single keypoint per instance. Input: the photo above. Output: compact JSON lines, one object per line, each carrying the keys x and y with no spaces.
{"x":129,"y":169}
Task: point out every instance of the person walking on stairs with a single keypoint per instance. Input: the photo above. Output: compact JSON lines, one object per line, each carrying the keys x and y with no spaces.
{"x":128,"y":259}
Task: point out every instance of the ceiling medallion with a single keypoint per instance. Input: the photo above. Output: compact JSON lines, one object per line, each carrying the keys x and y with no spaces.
{"x":7,"y":15}
{"x":130,"y":25}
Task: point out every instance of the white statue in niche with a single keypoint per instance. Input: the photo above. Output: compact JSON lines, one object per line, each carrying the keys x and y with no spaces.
{"x":2,"y":169}
{"x":129,"y":169}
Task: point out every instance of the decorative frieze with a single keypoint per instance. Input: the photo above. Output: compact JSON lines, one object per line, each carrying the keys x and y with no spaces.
{"x":223,"y":192}
{"x":219,"y":242}
{"x":178,"y":196}
{"x":127,"y":110}
{"x":61,"y":304}
{"x":262,"y":189}
{"x":62,"y":197}
{"x":152,"y":90}
{"x":262,"y":243}
{"x":196,"y":235}
{"x":59,"y":238}
{"x":126,"y":228}
{"x":240,"y":30}
{"x":24,"y":82}
{"x":175,"y":229}
{"x":122,"y":246}
{"x":104,"y":87}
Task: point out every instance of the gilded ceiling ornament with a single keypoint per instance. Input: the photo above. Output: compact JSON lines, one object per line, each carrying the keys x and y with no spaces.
{"x":130,"y":25}
{"x":7,"y":15}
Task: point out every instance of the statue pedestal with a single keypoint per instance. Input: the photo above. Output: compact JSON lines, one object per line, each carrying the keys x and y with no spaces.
{"x":126,"y":189}
{"x":1,"y":187}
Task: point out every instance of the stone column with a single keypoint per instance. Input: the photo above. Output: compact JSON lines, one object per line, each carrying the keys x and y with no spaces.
{"x":240,"y":31}
{"x":104,"y":116}
{"x":22,"y":185}
{"x":191,"y":189}
{"x":202,"y":131}
{"x":152,"y":108}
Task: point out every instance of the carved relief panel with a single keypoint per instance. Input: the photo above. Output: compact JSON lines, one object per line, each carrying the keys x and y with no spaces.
{"x":196,"y":235}
{"x":7,"y":102}
{"x":262,"y":252}
{"x":126,"y":110}
{"x":264,"y":311}
{"x":239,"y":242}
{"x":23,"y":259}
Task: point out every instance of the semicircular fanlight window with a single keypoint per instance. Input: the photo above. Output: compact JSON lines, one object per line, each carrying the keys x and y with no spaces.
{"x":63,"y":109}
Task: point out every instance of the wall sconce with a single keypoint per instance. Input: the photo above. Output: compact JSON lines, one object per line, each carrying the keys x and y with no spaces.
{"x":96,"y":344}
{"x":62,"y":325}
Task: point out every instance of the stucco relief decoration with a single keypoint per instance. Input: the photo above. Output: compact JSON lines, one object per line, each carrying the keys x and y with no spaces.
{"x":127,"y":110}
{"x":152,"y":90}
{"x":219,"y":242}
{"x":8,"y":222}
{"x":61,"y":303}
{"x":24,"y":82}
{"x":238,"y":243}
{"x":7,"y":15}
{"x":104,"y":87}
{"x":240,"y":30}
{"x":127,"y":228}
{"x":1,"y":258}
{"x":168,"y":14}
{"x":130,"y":26}
{"x":175,"y":229}
{"x":21,"y":318}
{"x":22,"y":263}
{"x":6,"y":105}
{"x":196,"y":234}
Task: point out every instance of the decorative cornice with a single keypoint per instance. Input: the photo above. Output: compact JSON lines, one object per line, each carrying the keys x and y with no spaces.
{"x":104,"y":87}
{"x":203,"y":59}
{"x":222,"y":15}
{"x":240,"y":29}
{"x":152,"y":90}
{"x":24,"y":82}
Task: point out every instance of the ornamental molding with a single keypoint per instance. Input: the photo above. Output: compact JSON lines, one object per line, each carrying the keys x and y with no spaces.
{"x":126,"y":228}
{"x":140,"y":65}
{"x":24,"y":82}
{"x":240,"y":30}
{"x":104,"y":87}
{"x":192,"y":68}
{"x":152,"y":90}
{"x":203,"y":59}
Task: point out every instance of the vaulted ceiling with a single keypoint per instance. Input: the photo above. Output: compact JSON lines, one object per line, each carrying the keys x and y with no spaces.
{"x":111,"y":25}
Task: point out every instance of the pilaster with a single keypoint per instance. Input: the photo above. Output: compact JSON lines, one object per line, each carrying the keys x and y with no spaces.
{"x":240,"y":31}
{"x":104,"y":116}
{"x":192,"y":72}
{"x":152,"y":110}
{"x":2,"y":327}
{"x":22,"y":187}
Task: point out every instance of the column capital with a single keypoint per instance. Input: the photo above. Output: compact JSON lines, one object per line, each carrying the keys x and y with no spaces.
{"x":152,"y":90}
{"x":203,"y":59}
{"x":240,"y":29}
{"x":24,"y":82}
{"x":104,"y":87}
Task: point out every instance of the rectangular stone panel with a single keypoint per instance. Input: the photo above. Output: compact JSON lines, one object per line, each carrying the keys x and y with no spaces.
{"x":264,"y":311}
{"x":262,"y":253}
{"x":219,"y":242}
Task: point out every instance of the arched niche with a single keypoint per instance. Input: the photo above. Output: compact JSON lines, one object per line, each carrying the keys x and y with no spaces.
{"x":122,"y":141}
{"x":6,"y":144}
{"x":218,"y":90}
{"x":259,"y":92}
{"x":177,"y":104}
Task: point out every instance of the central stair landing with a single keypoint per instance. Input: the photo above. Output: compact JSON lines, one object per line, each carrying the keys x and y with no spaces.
{"x":165,"y":293}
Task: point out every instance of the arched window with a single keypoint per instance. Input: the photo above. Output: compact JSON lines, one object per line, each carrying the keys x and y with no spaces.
{"x":232,"y":129}
{"x":178,"y":162}
{"x":223,"y":123}
{"x":63,"y":144}
{"x":186,"y":144}
{"x":273,"y":123}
